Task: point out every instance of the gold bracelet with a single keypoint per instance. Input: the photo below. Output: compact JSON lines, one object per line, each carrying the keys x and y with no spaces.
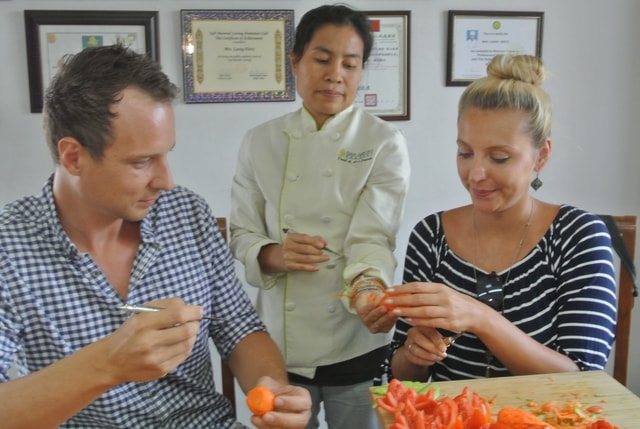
{"x":364,"y":284}
{"x":361,"y":284}
{"x":363,"y":278}
{"x":367,"y":287}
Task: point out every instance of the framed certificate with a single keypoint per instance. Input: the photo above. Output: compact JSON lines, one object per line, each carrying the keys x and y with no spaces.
{"x":385,"y":88}
{"x":237,"y":55}
{"x":51,"y":34}
{"x":475,"y":37}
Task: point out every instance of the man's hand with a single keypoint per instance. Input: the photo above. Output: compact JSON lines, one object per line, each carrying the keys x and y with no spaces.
{"x":148,"y":346}
{"x":292,"y":407}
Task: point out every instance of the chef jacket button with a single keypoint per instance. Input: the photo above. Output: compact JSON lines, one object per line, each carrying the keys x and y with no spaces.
{"x":288,"y":219}
{"x":327,"y":173}
{"x":335,"y":136}
{"x":331,"y":308}
{"x":331,"y":265}
{"x":325,"y":219}
{"x":290,"y":306}
{"x":292,"y":177}
{"x":296,"y":134}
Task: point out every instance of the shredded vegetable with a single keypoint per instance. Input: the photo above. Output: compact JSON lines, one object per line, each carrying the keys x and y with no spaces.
{"x":415,"y":405}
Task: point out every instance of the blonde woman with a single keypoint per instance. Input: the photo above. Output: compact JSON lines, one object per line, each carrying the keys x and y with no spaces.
{"x":509,"y":284}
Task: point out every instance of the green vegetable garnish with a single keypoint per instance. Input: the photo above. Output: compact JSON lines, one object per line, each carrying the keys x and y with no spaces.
{"x":418,"y":386}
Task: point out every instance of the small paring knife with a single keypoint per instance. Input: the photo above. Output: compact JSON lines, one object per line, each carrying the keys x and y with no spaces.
{"x":128,"y":308}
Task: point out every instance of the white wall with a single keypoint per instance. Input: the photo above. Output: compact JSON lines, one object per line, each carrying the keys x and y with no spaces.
{"x":590,"y":48}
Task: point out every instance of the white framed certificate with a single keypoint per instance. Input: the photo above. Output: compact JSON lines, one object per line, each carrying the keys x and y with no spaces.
{"x":52,"y":34}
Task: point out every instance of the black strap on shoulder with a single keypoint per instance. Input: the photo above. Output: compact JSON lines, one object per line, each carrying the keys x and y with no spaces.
{"x":621,"y":249}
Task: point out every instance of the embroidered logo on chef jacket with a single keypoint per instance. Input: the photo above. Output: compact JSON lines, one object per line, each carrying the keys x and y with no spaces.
{"x":355,"y":157}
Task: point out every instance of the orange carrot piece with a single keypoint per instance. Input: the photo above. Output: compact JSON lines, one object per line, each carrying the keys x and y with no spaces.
{"x":517,"y":418}
{"x":260,"y":400}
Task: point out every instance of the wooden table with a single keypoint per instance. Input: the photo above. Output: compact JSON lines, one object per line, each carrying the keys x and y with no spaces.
{"x":620,"y":406}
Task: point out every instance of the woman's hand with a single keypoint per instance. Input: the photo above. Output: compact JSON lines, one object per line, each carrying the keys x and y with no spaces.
{"x":434,"y":305}
{"x":424,"y":346}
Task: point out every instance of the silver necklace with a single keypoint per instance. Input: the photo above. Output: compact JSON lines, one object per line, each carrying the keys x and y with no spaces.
{"x":490,"y":290}
{"x":518,"y":247}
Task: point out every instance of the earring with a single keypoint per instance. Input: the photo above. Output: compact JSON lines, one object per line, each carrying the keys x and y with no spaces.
{"x":536,"y":183}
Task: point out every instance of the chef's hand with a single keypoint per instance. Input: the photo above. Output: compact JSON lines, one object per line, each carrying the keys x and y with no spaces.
{"x":368,"y":305}
{"x":298,"y":252}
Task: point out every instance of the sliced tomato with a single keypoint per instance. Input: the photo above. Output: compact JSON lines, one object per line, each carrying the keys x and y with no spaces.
{"x":427,"y":405}
{"x":396,"y":388}
{"x":601,"y":424}
{"x":447,"y":412}
{"x":482,"y":409}
{"x":498,"y":425}
{"x":401,"y":419}
{"x":385,"y":406}
{"x":595,"y":409}
{"x":477,"y":420}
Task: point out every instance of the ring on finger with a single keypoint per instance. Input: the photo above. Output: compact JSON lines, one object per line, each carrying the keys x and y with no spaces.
{"x":452,"y":339}
{"x":409,"y":346}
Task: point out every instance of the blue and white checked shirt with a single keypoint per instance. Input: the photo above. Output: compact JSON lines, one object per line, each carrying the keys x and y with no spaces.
{"x":55,"y":300}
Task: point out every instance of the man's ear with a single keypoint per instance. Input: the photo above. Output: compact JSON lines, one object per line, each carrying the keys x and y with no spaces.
{"x":70,"y":152}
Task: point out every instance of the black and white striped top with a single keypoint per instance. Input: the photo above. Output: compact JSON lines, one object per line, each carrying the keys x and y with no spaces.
{"x":562,"y":293}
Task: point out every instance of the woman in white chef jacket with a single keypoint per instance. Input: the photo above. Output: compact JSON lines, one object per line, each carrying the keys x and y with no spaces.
{"x":317,"y":200}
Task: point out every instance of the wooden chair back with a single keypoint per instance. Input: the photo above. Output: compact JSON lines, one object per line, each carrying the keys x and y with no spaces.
{"x":228,"y":380}
{"x":627,"y":227}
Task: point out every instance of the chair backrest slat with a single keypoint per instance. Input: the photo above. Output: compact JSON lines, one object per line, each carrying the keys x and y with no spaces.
{"x":228,"y":380}
{"x":627,"y":227}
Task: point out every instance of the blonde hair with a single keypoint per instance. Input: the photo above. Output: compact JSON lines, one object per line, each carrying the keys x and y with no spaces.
{"x":513,"y":82}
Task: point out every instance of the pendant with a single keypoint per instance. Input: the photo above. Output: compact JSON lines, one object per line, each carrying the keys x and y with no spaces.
{"x":536,"y":183}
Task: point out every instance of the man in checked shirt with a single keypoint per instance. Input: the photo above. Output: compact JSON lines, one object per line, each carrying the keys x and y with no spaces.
{"x":110,"y":228}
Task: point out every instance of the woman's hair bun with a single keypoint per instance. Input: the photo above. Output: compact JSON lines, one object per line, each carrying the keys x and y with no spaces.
{"x":525,"y":68}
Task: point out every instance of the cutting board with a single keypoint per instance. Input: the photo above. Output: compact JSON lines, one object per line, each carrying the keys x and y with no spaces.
{"x":620,"y":406}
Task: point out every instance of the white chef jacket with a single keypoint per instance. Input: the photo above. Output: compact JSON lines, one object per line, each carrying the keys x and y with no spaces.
{"x":347,"y":183}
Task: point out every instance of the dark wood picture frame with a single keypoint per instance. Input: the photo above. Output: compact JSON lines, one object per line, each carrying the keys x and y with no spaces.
{"x":34,"y":19}
{"x":404,"y":78}
{"x":491,"y":48}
